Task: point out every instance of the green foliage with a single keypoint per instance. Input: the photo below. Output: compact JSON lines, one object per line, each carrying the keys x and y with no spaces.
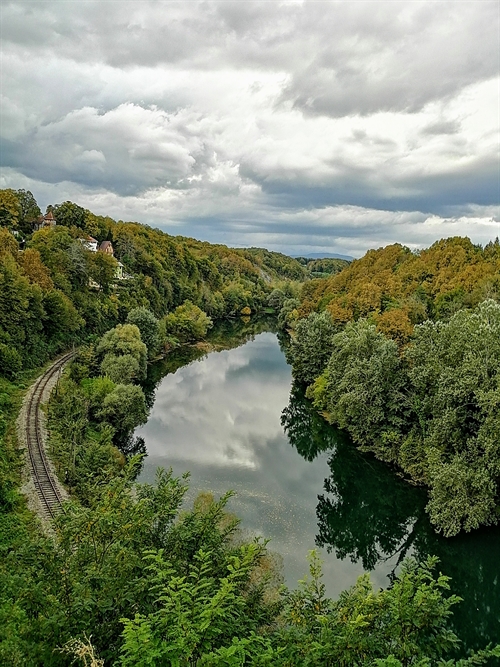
{"x":124,"y":407}
{"x":124,"y":339}
{"x":187,"y":323}
{"x":9,"y":458}
{"x":69,"y":214}
{"x":106,"y":562}
{"x":8,"y":243}
{"x":288,"y":314}
{"x":23,"y":318}
{"x":454,"y":370}
{"x":92,"y":420}
{"x":462,"y":495}
{"x":30,"y":210}
{"x":10,"y":209}
{"x":364,"y":386}
{"x":236,"y":296}
{"x":276,"y":299}
{"x":154,"y":585}
{"x":408,"y":622}
{"x":431,"y":406}
{"x":312,"y":346}
{"x":323,"y":267}
{"x":433,"y":410}
{"x":148,"y":326}
{"x":275,"y":264}
{"x":61,"y":317}
{"x":123,"y":368}
{"x":101,"y":268}
{"x":85,"y":364}
{"x":11,"y":361}
{"x":196,"y":612}
{"x":18,"y":210}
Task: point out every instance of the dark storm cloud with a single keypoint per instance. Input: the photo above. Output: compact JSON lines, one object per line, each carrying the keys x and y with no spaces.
{"x":442,"y":127}
{"x":258,"y":123}
{"x":341,"y":58}
{"x":477,"y":183}
{"x":375,"y":56}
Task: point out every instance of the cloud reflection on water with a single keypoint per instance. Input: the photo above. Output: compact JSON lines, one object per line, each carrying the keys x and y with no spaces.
{"x":219,"y":418}
{"x":220,"y":411}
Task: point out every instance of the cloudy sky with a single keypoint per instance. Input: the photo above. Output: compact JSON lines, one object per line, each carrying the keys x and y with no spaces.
{"x":300,"y":126}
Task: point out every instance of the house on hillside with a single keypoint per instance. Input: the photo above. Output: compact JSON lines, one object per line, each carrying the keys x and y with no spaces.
{"x":93,"y":244}
{"x":43,"y":221}
{"x":90,"y":243}
{"x":107,"y":248}
{"x":119,"y":271}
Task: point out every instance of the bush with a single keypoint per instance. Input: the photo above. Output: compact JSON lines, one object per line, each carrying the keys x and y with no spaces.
{"x":124,"y":407}
{"x":125,"y":339}
{"x":121,"y":369}
{"x":148,"y":326}
{"x":187,"y":323}
{"x":10,"y":361}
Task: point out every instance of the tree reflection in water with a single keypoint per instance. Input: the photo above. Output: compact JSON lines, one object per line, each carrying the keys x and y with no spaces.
{"x":369,"y":514}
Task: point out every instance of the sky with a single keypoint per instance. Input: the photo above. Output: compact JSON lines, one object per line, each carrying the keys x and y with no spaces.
{"x":298,"y":126}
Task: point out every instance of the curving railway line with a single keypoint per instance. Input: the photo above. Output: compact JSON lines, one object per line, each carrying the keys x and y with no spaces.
{"x":46,"y":485}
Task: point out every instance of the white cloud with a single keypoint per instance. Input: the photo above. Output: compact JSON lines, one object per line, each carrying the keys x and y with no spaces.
{"x":195,"y":419}
{"x":238,"y":121}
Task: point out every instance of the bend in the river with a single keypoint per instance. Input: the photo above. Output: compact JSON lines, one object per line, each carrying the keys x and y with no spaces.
{"x":234,"y":419}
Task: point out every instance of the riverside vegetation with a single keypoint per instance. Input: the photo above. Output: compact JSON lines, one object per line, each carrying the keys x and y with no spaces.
{"x":402,"y":351}
{"x":128,"y":577}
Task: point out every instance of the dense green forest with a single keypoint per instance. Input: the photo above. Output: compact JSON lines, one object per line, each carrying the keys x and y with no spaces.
{"x":401,"y":350}
{"x":127,"y":575}
{"x":324,"y":267}
{"x":55,"y":291}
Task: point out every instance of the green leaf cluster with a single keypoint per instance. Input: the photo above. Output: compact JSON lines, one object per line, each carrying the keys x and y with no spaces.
{"x":431,"y":408}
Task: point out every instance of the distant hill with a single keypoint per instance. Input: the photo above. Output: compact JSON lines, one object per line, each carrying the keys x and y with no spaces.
{"x":325,"y":255}
{"x":397,"y":288}
{"x":322,"y":267}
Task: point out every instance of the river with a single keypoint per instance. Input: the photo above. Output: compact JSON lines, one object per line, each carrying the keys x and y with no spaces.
{"x":234,"y":419}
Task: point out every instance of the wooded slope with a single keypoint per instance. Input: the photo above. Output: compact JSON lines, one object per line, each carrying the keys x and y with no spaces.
{"x":399,"y":288}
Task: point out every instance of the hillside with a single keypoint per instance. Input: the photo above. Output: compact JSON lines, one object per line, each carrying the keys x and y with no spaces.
{"x":399,"y":288}
{"x":401,"y":351}
{"x":57,"y":288}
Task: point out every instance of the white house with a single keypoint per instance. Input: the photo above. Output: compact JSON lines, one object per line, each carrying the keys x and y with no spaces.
{"x":90,"y":243}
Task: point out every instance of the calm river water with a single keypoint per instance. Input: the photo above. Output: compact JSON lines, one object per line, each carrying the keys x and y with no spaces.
{"x":234,"y":419}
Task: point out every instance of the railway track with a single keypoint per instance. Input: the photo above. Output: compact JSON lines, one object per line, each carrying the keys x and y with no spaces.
{"x":46,"y":484}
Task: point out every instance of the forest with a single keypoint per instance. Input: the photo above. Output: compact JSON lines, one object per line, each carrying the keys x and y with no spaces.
{"x":401,"y":350}
{"x":56,"y":292}
{"x":127,"y":575}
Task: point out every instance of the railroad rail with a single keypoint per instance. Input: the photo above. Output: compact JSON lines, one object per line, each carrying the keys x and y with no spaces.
{"x":46,"y":485}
